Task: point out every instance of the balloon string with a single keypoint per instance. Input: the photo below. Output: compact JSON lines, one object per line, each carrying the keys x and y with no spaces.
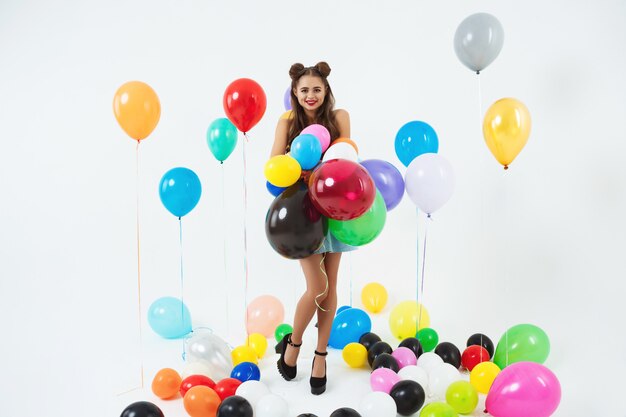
{"x":223,"y":216}
{"x":480,"y":104}
{"x":419,"y":315}
{"x":417,"y":264}
{"x":182,"y":279}
{"x":138,"y":264}
{"x":506,"y":259}
{"x":350,"y":271}
{"x":326,"y":288}
{"x":245,"y":232}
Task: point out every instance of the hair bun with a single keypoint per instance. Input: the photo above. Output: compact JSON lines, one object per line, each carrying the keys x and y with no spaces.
{"x":296,"y":70}
{"x":323,"y":68}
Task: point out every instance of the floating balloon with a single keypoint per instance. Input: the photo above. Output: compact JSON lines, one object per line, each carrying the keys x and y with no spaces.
{"x":462,"y":396}
{"x":449,"y":353}
{"x":483,"y":375}
{"x":142,"y":409}
{"x":429,"y":181}
{"x":481,"y":340}
{"x":363,"y":229}
{"x":354,"y":354}
{"x":377,"y":404}
{"x":341,"y":150}
{"x":193,"y":381}
{"x":428,"y":338}
{"x":204,"y":346}
{"x":348,"y":326}
{"x":244,"y":103}
{"x":235,"y":406}
{"x":201,"y":401}
{"x":524,"y":389}
{"x":374,"y":297}
{"x":166,"y":383}
{"x":388,"y":180}
{"x":169,"y":318}
{"x":406,"y":318}
{"x":137,"y":109}
{"x":282,"y":170}
{"x":524,"y":342}
{"x":307,"y":150}
{"x":409,"y":396}
{"x":264,"y":314}
{"x":478,"y":41}
{"x":221,"y":138}
{"x":414,"y":139}
{"x":506,"y":128}
{"x":320,"y":132}
{"x":180,"y":191}
{"x":341,"y":189}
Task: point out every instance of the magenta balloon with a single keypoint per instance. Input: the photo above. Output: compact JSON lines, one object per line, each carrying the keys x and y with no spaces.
{"x":383,"y":379}
{"x":524,"y":389}
{"x":404,"y":356}
{"x":319,"y":132}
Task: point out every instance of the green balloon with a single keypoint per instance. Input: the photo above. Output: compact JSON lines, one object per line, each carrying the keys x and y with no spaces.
{"x":221,"y":138}
{"x":363,"y":229}
{"x":522,"y":343}
{"x":438,"y":410}
{"x":428,"y":339}
{"x":282,"y":330}
{"x":462,"y":396}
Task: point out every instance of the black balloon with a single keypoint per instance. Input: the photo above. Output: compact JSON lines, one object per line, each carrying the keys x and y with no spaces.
{"x":408,"y":395}
{"x":345,"y":412}
{"x":293,"y":226}
{"x":307,"y":415}
{"x":368,"y":340}
{"x":413,"y":344}
{"x":481,"y":340}
{"x":376,"y":349}
{"x":142,"y":409}
{"x":234,"y":406}
{"x":449,"y":353}
{"x":385,"y":360}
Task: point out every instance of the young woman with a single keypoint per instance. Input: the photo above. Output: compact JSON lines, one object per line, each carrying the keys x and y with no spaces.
{"x":312,"y":103}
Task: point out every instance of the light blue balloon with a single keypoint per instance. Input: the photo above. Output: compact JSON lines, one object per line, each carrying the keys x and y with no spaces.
{"x":307,"y":150}
{"x":414,"y":139}
{"x":348,"y":327}
{"x":180,"y":191}
{"x":169,"y":317}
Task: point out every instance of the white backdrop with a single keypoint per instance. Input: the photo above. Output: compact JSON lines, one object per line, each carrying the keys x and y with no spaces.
{"x":543,"y":244}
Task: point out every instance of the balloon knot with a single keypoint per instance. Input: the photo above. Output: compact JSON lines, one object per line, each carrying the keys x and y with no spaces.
{"x":222,"y":162}
{"x":477,"y":72}
{"x":506,"y":167}
{"x":485,"y":411}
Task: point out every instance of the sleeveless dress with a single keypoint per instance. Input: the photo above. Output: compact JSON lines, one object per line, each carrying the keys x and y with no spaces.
{"x":332,"y":244}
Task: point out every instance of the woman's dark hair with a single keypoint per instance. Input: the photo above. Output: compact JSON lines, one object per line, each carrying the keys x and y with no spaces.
{"x":325,"y":115}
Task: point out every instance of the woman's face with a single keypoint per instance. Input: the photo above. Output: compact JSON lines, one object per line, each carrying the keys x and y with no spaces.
{"x":310,"y":92}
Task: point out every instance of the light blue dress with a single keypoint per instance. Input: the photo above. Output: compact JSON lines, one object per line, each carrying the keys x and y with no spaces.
{"x":332,"y":244}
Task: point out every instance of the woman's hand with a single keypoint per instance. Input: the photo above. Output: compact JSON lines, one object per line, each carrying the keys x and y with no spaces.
{"x":305,"y":175}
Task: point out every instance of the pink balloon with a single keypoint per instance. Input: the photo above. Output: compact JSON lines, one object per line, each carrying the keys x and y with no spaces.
{"x":383,"y":379}
{"x":321,"y":133}
{"x":524,"y":389}
{"x":265,"y":313}
{"x":404,"y":356}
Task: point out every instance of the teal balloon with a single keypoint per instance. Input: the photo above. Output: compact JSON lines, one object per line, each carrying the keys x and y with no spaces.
{"x":180,"y":190}
{"x":169,"y":317}
{"x":363,"y":229}
{"x":414,"y":139}
{"x":221,"y":138}
{"x":522,"y":343}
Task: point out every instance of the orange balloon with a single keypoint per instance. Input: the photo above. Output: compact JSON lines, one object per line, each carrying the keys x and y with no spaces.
{"x":166,"y":383}
{"x":201,"y":401}
{"x":137,"y":109}
{"x":348,"y":141}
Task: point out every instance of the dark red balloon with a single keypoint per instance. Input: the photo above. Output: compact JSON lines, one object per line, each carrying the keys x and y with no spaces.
{"x":192,"y":381}
{"x":244,"y":103}
{"x":227,"y":387}
{"x":342,"y":189}
{"x":473,"y":355}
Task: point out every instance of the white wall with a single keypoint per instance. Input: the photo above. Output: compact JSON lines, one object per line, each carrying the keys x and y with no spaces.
{"x":543,"y":244}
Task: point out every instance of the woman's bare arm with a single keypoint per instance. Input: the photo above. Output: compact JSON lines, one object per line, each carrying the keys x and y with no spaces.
{"x":280,"y":138}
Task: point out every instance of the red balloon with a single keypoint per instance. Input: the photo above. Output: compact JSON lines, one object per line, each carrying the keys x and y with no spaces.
{"x":474,"y":355}
{"x":342,"y":189}
{"x":193,"y":380}
{"x":244,"y":103}
{"x":227,"y":387}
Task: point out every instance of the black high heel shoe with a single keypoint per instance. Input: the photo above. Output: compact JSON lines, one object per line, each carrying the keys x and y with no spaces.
{"x":318,"y":385}
{"x":286,"y":371}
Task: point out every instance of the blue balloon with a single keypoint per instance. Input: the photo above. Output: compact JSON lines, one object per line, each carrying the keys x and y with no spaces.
{"x":246,"y":371}
{"x":169,"y":317}
{"x":274,"y":190}
{"x":414,"y":139}
{"x":307,"y":150}
{"x":349,"y":326}
{"x":180,"y":190}
{"x":388,"y":180}
{"x":287,"y":99}
{"x":342,"y":308}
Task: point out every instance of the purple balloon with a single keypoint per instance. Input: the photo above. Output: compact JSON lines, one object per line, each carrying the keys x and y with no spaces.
{"x":287,"y":99}
{"x":388,"y":180}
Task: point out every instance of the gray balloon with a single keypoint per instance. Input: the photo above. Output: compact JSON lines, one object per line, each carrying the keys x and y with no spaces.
{"x":203,"y":345}
{"x":478,"y":41}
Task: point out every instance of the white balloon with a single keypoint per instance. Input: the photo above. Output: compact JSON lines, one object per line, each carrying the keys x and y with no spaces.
{"x":271,"y":405}
{"x":200,"y":367}
{"x":415,"y":373}
{"x":252,"y":391}
{"x":341,"y":150}
{"x":377,"y":404}
{"x":204,"y":345}
{"x":429,"y":182}
{"x":440,"y":378}
{"x":429,"y":361}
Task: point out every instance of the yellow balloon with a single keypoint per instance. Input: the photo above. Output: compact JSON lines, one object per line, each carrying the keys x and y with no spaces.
{"x":354,"y":354}
{"x":244,"y":354}
{"x":374,"y":297}
{"x":282,"y":170}
{"x":506,"y":128}
{"x":286,"y":115}
{"x":137,"y":109}
{"x":258,"y":343}
{"x":482,"y":376}
{"x":404,"y":318}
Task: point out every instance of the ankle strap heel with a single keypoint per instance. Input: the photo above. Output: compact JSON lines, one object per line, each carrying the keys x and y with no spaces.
{"x":318,"y":385}
{"x":286,"y":371}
